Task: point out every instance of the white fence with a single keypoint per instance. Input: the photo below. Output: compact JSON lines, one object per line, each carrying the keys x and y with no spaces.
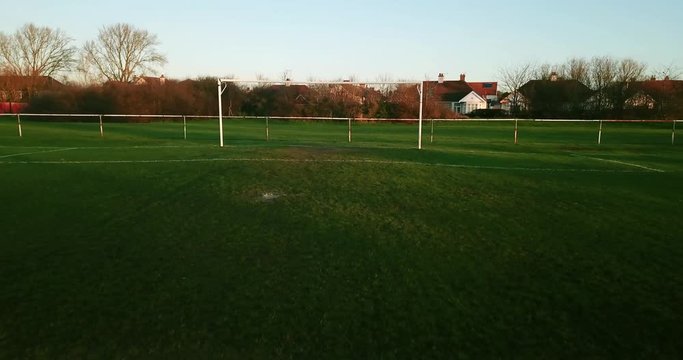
{"x":101,"y":119}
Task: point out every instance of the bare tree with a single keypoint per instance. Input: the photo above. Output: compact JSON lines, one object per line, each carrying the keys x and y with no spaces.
{"x":121,"y":51}
{"x":384,"y":88}
{"x":621,"y":89}
{"x":36,"y":51}
{"x":545,"y":71}
{"x":85,"y":74}
{"x":630,"y":70}
{"x":603,"y":72}
{"x":577,"y":69}
{"x":286,"y":75}
{"x":611,"y":80}
{"x":669,"y":71}
{"x":512,"y":78}
{"x":263,"y":82}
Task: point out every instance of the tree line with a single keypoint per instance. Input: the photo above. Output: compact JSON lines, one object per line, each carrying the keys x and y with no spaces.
{"x":610,"y":83}
{"x":118,"y":53}
{"x":107,"y":67}
{"x":199,"y":97}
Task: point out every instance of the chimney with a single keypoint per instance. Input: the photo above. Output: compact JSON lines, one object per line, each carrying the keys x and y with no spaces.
{"x":162,"y":79}
{"x":653,"y":78}
{"x":462,"y":77}
{"x":553,"y":76}
{"x":441,"y":78}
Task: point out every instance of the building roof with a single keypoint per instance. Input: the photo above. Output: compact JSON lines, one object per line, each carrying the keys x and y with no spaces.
{"x":556,"y":90}
{"x":449,"y":91}
{"x":16,"y":82}
{"x":485,"y":89}
{"x":661,"y":88}
{"x":149,"y":80}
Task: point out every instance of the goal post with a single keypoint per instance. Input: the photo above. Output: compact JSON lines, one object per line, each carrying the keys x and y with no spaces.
{"x":222,"y":86}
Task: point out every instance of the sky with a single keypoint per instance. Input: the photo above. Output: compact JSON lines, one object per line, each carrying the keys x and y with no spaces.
{"x":369,"y":39}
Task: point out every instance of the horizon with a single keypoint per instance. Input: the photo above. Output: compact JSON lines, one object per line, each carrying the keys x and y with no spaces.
{"x":370,"y":40}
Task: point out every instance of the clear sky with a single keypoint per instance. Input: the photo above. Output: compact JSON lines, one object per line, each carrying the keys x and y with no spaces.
{"x":369,"y":38}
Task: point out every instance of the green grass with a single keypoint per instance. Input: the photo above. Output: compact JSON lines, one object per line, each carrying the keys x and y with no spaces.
{"x":144,"y":245}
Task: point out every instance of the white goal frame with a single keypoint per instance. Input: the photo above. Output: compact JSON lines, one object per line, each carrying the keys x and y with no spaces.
{"x":222,"y":87}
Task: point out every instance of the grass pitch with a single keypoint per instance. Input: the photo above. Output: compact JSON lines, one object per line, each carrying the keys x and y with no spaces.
{"x":144,"y":245}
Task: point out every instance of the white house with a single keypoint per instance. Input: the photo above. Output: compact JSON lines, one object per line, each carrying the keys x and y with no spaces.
{"x":457,"y":96}
{"x":470,"y":102}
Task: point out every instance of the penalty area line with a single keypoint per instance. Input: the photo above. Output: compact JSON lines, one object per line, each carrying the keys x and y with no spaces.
{"x":37,"y":152}
{"x":621,"y":163}
{"x":341,"y":161}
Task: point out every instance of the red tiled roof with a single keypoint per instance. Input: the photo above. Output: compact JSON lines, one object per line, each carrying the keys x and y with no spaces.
{"x":484,"y":89}
{"x":450,"y":91}
{"x":661,"y":88}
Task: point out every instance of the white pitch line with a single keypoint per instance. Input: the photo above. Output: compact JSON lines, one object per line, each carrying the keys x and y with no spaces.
{"x":37,"y":152}
{"x":622,"y":163}
{"x":365,"y":161}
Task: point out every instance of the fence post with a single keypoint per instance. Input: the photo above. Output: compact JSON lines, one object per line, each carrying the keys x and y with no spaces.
{"x":600,"y":133}
{"x":101,"y":127}
{"x":267,"y":130}
{"x":431,"y":133}
{"x":349,"y":129}
{"x":419,"y":126}
{"x":184,"y":128}
{"x":19,"y":124}
{"x":673,"y":133}
{"x":516,"y":131}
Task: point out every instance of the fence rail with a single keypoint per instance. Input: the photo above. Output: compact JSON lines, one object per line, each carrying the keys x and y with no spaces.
{"x":101,"y":118}
{"x":325,"y":118}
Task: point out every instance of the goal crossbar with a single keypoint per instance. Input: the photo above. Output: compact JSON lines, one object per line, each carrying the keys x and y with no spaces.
{"x":343,"y":82}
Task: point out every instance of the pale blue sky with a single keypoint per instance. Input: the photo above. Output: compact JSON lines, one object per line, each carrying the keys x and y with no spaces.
{"x":367,"y":38}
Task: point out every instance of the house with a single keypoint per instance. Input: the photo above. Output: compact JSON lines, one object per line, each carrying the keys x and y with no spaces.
{"x":664,"y":96}
{"x":457,"y":96}
{"x":16,"y":87}
{"x":149,"y":80}
{"x":15,"y":90}
{"x":555,"y":96}
{"x":487,"y":90}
